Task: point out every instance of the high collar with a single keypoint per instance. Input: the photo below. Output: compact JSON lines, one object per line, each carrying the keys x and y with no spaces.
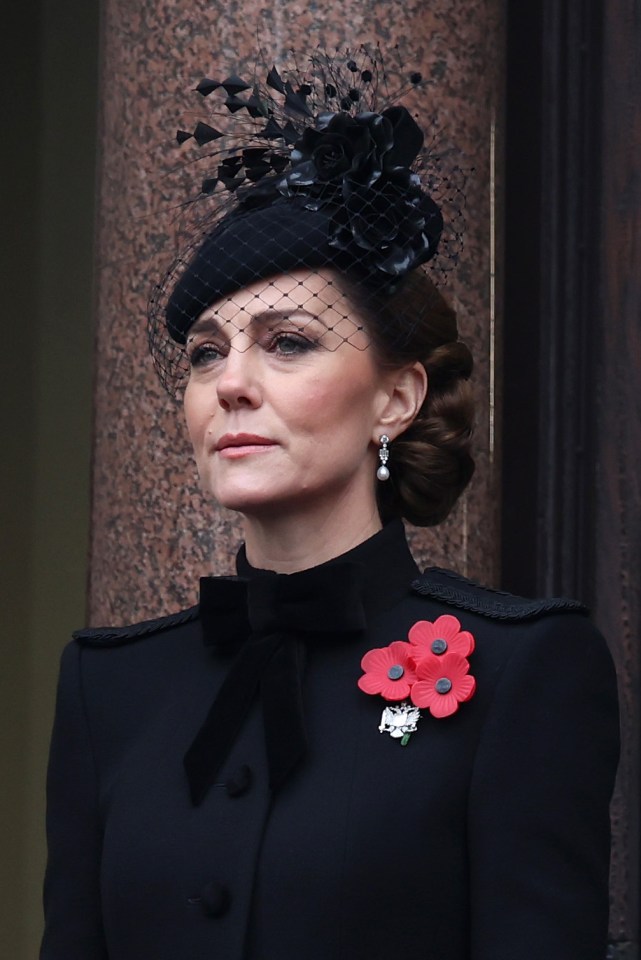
{"x":386,"y":566}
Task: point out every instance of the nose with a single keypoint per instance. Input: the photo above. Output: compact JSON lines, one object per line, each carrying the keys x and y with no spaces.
{"x":238,"y":383}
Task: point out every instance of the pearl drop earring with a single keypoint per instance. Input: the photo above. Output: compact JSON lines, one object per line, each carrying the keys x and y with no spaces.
{"x":383,"y":455}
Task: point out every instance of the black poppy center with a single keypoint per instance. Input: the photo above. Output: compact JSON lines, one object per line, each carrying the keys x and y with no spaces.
{"x":443,"y":685}
{"x":395,"y":672}
{"x":439,"y":645}
{"x":331,"y":157}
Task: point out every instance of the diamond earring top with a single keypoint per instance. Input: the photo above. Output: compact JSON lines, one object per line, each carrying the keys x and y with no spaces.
{"x":383,"y":455}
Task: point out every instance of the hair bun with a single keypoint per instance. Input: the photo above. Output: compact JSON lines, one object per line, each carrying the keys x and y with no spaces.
{"x":451,"y":361}
{"x":431,"y":462}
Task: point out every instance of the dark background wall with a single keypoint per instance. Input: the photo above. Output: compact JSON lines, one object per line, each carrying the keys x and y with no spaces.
{"x":571,"y":441}
{"x":49,"y":64}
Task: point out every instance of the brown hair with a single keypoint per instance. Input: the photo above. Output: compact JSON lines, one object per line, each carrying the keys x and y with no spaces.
{"x":430,"y":463}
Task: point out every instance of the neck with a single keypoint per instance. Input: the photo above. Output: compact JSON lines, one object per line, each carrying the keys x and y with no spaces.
{"x":289,"y":543}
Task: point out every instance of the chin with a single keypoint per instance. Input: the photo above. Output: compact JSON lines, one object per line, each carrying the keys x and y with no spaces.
{"x":267,"y":502}
{"x":249,"y":501}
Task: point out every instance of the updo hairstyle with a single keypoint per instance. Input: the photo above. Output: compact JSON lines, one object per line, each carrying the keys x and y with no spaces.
{"x":430,"y":463}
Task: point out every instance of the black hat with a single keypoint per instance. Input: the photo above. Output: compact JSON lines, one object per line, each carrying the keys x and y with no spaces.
{"x":326,"y":179}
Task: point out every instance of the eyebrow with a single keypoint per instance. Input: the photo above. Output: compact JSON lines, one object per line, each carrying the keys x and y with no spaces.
{"x":215,"y":323}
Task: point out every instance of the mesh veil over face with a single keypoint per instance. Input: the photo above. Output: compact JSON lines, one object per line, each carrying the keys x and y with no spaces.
{"x":324,"y":209}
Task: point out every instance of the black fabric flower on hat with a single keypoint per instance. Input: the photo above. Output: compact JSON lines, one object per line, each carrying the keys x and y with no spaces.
{"x":396,"y":229}
{"x":341,"y":143}
{"x":361,"y":167}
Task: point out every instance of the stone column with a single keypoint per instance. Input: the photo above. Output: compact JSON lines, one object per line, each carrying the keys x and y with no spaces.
{"x":617,"y":514}
{"x":152,"y":531}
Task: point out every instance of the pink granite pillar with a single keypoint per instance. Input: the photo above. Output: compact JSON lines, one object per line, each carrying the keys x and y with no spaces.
{"x":153,"y":533}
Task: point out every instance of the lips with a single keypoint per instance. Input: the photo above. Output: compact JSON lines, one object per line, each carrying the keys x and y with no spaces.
{"x":242,"y":441}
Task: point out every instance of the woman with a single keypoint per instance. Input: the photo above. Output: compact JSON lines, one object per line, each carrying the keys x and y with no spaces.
{"x":331,"y":756}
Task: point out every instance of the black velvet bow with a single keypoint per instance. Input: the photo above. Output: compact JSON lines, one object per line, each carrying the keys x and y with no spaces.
{"x":271,"y":617}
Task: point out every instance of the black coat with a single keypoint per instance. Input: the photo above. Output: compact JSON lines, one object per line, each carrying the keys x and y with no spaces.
{"x":485,"y":838}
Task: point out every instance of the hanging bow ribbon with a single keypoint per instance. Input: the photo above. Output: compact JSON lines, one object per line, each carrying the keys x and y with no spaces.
{"x":271,"y":616}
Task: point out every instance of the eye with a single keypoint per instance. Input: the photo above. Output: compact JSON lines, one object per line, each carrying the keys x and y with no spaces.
{"x":288,"y":344}
{"x":203,"y":353}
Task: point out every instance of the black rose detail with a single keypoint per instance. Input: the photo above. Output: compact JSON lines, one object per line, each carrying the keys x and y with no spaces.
{"x":391,"y":229}
{"x":332,"y":157}
{"x":339,"y":144}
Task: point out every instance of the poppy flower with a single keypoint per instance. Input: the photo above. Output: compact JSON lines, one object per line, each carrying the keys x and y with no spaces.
{"x":442,"y":636}
{"x":443,"y":682}
{"x":389,"y":671}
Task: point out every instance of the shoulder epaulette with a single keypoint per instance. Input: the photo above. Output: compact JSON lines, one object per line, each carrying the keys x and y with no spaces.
{"x":458,"y":591}
{"x":116,"y":636}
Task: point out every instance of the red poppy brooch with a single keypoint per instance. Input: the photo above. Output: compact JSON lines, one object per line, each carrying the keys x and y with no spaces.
{"x":428,"y":670}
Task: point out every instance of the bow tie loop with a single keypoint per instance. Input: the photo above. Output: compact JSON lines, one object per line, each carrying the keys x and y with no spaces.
{"x":323,"y":600}
{"x":223,"y":611}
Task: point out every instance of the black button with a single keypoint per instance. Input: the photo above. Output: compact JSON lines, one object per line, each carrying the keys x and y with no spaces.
{"x":439,"y":645}
{"x":395,"y":672}
{"x":240,"y":782}
{"x":443,"y":686}
{"x":215,"y":899}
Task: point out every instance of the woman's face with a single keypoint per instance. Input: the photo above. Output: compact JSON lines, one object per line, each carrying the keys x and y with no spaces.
{"x":285,"y":398}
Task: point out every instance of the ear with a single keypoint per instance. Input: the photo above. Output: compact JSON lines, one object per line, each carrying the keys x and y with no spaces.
{"x":406,"y":389}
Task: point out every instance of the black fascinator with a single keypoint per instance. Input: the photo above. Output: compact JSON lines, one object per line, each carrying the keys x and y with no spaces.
{"x":319,"y":169}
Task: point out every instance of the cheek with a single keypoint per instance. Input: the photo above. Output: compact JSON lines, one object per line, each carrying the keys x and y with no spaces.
{"x":197,"y":417}
{"x":336,"y":407}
